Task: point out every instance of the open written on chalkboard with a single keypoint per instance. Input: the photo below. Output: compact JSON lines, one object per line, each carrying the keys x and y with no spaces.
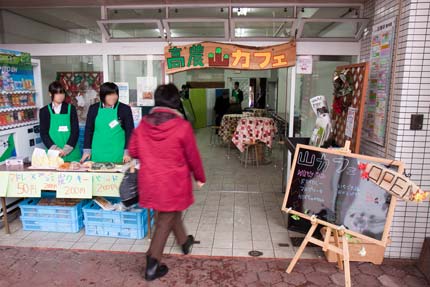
{"x":329,"y":184}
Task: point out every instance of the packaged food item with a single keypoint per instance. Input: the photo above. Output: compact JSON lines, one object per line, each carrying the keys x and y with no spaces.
{"x":75,"y":165}
{"x":109,"y":165}
{"x":65,"y":166}
{"x":88,"y":164}
{"x":104,"y":203}
{"x":39,"y":158}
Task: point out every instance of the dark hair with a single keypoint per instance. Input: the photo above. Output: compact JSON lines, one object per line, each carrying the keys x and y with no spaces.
{"x":236,"y":83}
{"x":56,"y":88}
{"x":167,"y":96}
{"x":107,"y":89}
{"x":183,"y":87}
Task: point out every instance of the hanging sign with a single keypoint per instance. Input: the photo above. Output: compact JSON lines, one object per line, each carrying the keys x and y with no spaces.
{"x":107,"y":184}
{"x":228,"y":56}
{"x":74,"y":185}
{"x":304,"y":65}
{"x":24,"y":184}
{"x":4,"y":179}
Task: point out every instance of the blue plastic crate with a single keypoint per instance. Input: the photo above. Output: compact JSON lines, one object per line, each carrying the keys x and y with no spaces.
{"x":121,"y":224}
{"x":53,"y":225}
{"x":51,"y":218}
{"x":30,"y":209}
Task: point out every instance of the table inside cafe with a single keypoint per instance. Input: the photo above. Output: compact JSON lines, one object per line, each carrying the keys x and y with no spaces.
{"x":25,"y":182}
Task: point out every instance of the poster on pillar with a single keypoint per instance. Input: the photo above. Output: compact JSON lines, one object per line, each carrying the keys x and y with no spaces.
{"x":377,"y":100}
{"x":227,"y":56}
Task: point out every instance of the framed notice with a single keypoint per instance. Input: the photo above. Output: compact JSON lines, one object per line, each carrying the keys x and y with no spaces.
{"x":145,"y":91}
{"x":379,"y":81}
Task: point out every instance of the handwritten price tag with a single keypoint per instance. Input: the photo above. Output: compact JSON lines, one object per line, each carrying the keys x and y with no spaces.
{"x":23,"y":184}
{"x":48,"y":181}
{"x":4,"y":181}
{"x":74,"y":185}
{"x":107,"y":184}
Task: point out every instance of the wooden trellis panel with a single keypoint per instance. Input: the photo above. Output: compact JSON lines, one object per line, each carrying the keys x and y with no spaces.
{"x":357,"y":99}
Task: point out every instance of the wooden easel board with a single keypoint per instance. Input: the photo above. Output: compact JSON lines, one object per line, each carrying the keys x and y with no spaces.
{"x":328,"y":184}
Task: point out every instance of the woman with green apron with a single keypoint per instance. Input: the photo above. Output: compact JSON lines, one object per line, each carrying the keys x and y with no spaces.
{"x":108,"y":128}
{"x":59,"y":126}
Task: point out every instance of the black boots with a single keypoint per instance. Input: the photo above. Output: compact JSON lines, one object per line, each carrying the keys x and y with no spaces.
{"x":154,"y":269}
{"x":187,"y":245}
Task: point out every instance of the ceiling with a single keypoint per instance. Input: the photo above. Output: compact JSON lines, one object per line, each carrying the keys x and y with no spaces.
{"x":138,"y":22}
{"x":75,"y":3}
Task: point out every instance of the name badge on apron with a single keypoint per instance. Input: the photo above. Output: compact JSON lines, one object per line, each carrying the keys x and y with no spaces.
{"x":63,"y":128}
{"x":113,"y":124}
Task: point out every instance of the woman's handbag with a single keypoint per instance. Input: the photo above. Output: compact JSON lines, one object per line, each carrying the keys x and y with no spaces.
{"x":128,"y":190}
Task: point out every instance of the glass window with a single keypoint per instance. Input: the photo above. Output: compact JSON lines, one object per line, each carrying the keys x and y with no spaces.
{"x":128,"y":68}
{"x":202,"y":12}
{"x":80,"y":75}
{"x":133,"y":30}
{"x":197,"y":29}
{"x":330,"y":30}
{"x":315,"y":84}
{"x":50,"y":25}
{"x":147,"y":13}
{"x":257,"y":12}
{"x":268,"y":29}
{"x":328,"y":12}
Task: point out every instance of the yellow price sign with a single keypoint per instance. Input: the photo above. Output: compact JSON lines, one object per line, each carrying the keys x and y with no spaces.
{"x":74,"y":185}
{"x":48,"y":180}
{"x":4,"y":181}
{"x":107,"y":184}
{"x":23,"y":184}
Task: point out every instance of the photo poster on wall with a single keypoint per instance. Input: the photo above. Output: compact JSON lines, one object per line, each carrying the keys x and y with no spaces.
{"x":145,"y":91}
{"x":377,"y":101}
{"x":124,"y":92}
{"x":7,"y":147}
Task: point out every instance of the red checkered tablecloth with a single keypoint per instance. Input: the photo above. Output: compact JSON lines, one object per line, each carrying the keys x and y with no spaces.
{"x":252,"y":129}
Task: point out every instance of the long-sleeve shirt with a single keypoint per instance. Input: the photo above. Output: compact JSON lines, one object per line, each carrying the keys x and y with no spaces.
{"x":45,"y":123}
{"x":125,"y":117}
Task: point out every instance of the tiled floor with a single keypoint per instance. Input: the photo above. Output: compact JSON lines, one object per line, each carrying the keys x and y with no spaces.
{"x":238,"y":210}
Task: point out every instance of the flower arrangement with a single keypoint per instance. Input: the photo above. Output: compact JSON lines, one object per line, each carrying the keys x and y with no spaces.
{"x":343,"y":84}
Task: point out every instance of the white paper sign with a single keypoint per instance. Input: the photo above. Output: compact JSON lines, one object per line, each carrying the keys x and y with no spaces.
{"x":145,"y":91}
{"x":124,"y":94}
{"x":137,"y":115}
{"x":304,"y":65}
{"x":349,"y":128}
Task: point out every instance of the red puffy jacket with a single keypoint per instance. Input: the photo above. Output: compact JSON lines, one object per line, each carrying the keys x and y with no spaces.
{"x":165,"y":145}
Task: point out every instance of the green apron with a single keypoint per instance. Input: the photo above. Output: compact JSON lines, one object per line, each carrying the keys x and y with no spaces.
{"x":59,"y":132}
{"x":109,"y":137}
{"x":236,"y":96}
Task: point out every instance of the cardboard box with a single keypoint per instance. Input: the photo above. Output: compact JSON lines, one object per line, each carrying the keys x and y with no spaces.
{"x":374,"y":253}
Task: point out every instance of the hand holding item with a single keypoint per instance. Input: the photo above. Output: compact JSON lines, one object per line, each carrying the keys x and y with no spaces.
{"x":85,"y":157}
{"x":62,"y":153}
{"x":200,"y":184}
{"x":126,"y":158}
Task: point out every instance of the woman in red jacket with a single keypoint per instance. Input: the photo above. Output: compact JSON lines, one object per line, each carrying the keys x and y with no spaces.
{"x":165,"y":145}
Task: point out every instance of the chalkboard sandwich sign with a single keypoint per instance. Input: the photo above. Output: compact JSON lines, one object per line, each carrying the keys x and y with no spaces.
{"x":330,"y":188}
